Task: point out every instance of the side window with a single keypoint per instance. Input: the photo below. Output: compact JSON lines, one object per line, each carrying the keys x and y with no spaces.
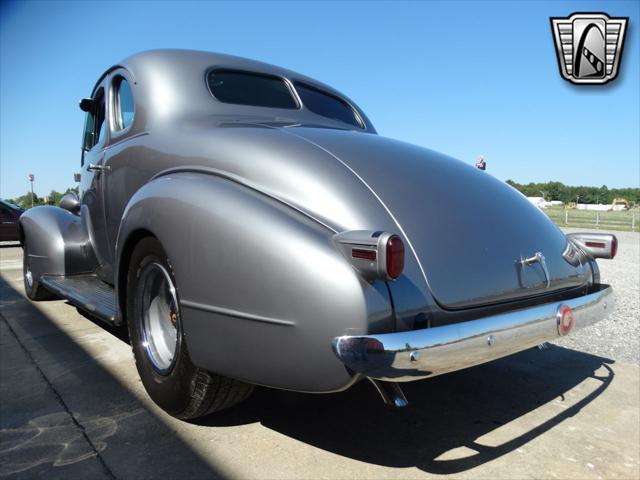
{"x":123,"y":104}
{"x":94,"y":127}
{"x":100,"y":117}
{"x":89,"y":129}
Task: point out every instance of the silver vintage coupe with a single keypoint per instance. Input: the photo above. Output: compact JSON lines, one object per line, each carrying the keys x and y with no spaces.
{"x":251,"y":228}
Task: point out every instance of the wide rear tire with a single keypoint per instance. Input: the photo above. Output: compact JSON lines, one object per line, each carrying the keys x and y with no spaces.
{"x":157,"y":339}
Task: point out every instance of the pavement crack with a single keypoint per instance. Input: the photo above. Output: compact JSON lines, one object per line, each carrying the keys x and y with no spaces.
{"x":61,"y":401}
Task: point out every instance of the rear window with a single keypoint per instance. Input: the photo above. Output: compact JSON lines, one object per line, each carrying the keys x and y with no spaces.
{"x":327,"y":105}
{"x":243,"y":88}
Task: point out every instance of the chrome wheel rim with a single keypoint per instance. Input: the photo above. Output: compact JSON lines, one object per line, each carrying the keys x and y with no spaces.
{"x":159,"y":316}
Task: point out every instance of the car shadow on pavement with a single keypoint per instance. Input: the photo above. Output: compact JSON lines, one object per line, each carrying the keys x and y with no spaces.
{"x":64,"y":415}
{"x":446,"y":415}
{"x":120,"y":331}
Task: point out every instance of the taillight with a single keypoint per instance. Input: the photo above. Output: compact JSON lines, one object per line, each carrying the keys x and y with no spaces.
{"x":364,"y":254}
{"x":614,"y":246}
{"x":395,"y":256}
{"x":597,"y":245}
{"x":376,"y":254}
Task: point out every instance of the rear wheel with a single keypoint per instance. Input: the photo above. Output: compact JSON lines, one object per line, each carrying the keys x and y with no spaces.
{"x":157,"y":339}
{"x":32,"y":286}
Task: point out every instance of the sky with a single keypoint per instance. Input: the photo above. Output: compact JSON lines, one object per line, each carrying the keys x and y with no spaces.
{"x":462,"y":78}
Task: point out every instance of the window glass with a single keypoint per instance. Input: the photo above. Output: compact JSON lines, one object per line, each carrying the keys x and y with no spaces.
{"x":94,"y":131}
{"x":250,"y":89}
{"x":327,"y":105}
{"x":124,"y":104}
{"x":101,"y":132}
{"x":89,"y":128}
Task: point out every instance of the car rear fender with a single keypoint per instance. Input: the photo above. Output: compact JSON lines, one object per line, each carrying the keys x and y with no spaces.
{"x":262,"y":287}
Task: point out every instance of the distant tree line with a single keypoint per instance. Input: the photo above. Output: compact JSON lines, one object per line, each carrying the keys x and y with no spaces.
{"x":53,"y":198}
{"x":550,"y":191}
{"x":565,"y":193}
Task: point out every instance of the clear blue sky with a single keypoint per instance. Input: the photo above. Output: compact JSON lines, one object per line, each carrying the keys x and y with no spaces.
{"x":463,"y":78}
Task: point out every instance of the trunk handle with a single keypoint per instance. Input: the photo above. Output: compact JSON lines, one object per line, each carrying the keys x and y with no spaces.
{"x":538,"y":257}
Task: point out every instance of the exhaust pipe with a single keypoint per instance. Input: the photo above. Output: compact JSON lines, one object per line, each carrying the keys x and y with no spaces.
{"x":390,"y":392}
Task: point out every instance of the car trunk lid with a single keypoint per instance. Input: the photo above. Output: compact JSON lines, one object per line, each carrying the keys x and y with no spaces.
{"x":477,"y":240}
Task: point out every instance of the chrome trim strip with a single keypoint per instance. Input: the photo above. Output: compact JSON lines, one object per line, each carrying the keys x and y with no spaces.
{"x":417,"y":354}
{"x":235,"y":313}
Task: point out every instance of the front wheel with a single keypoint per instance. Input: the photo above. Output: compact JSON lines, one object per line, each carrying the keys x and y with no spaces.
{"x":157,"y":339}
{"x":31,"y":278}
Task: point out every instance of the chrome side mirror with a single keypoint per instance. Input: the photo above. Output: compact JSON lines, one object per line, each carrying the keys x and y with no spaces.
{"x":598,"y":245}
{"x":71,"y":203}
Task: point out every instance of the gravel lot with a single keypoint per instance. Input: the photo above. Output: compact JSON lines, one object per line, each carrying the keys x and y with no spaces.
{"x":617,"y":337}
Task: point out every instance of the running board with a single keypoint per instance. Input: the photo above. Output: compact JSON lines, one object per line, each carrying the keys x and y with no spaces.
{"x":87,"y":292}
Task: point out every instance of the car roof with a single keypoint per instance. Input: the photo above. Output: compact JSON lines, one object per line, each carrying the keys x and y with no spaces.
{"x":184,"y":71}
{"x":11,"y":205}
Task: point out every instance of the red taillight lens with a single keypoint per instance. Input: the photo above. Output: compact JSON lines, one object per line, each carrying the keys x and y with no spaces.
{"x":364,"y":254}
{"x":395,"y":256}
{"x":595,"y":244}
{"x":614,"y":246}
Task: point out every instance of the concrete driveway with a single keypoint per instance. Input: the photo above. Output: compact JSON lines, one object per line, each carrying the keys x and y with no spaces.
{"x":72,"y":406}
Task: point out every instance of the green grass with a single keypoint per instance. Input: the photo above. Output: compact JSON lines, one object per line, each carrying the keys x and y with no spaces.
{"x":621,"y":220}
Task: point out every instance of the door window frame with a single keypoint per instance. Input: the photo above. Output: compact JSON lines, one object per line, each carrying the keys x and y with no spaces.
{"x":98,"y":143}
{"x":117,"y":133}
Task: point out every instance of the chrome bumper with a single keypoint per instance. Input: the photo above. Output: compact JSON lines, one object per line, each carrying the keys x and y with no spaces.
{"x":417,"y":354}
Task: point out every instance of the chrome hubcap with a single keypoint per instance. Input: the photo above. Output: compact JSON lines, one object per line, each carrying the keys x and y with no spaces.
{"x":159,"y":316}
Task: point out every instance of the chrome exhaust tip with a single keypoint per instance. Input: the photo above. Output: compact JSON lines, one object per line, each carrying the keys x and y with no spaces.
{"x":390,"y":392}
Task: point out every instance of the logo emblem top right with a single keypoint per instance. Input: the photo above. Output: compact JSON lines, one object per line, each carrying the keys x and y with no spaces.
{"x":589,"y":46}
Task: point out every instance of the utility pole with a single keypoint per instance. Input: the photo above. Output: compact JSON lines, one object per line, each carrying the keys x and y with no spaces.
{"x":31,"y":178}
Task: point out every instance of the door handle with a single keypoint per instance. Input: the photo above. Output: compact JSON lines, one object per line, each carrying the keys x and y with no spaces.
{"x":99,"y":168}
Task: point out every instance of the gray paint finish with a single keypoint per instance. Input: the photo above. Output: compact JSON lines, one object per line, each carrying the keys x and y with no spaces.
{"x":258,"y":259}
{"x":246,"y":202}
{"x":467,"y":229}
